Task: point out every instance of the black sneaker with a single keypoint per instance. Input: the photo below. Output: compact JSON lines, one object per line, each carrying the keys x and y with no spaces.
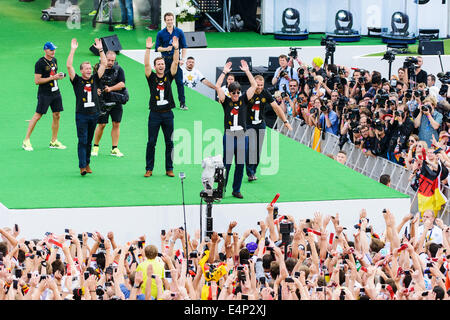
{"x":252,"y":178}
{"x":183,"y":107}
{"x":237,"y":195}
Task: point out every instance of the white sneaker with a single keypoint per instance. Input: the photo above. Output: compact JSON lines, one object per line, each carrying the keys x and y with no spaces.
{"x":116,"y":152}
{"x":26,"y":145}
{"x":94,"y":151}
{"x":57,"y":145}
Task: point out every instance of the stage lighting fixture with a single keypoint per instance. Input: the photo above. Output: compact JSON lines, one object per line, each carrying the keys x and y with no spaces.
{"x":291,"y":20}
{"x":343,"y":22}
{"x":400,"y":23}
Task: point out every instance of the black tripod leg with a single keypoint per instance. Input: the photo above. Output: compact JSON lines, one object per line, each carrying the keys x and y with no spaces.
{"x":94,"y":20}
{"x":110,"y":22}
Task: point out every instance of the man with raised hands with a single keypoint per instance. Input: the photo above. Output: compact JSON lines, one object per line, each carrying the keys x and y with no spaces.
{"x":161,"y":104}
{"x":87,"y":104}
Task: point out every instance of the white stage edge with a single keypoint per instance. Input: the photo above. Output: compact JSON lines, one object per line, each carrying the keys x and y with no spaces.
{"x":128,"y":223}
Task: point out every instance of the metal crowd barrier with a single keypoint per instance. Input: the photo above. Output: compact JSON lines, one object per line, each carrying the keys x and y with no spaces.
{"x":371,"y":166}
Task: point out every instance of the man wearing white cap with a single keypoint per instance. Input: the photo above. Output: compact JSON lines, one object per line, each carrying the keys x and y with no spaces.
{"x":46,"y":76}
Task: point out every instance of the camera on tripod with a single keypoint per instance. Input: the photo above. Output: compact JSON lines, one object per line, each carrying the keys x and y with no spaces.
{"x":410,"y":63}
{"x":330,"y":44}
{"x":389,"y":56}
{"x":213,"y":172}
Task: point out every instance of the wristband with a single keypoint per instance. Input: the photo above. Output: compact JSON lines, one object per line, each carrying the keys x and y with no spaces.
{"x":148,"y":48}
{"x":285,"y":121}
{"x":230,"y":233}
{"x":137,"y":286}
{"x":101,"y":50}
{"x":224,"y":73}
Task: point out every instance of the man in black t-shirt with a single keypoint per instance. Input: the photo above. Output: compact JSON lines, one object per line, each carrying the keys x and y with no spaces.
{"x":113,"y":80}
{"x":87,"y":104}
{"x":161,"y":104}
{"x":421,"y":75}
{"x":256,"y":125}
{"x":235,"y":141}
{"x":46,"y":76}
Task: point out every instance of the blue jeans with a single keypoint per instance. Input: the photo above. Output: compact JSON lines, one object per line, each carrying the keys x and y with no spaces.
{"x":155,"y":121}
{"x":178,"y":79}
{"x":255,"y":135}
{"x":86,"y":124}
{"x":126,"y":9}
{"x":234,"y":147}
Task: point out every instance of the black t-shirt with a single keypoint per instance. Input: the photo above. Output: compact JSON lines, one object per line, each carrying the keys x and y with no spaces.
{"x":235,"y":114}
{"x":110,"y":78}
{"x":113,"y":76}
{"x":86,"y":94}
{"x":255,"y":106}
{"x":421,"y":77}
{"x":161,"y":97}
{"x":46,"y":69}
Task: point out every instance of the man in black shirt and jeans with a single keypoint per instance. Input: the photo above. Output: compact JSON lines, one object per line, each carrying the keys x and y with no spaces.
{"x":161,"y":105}
{"x":87,"y":104}
{"x":256,"y":125}
{"x":46,"y":76}
{"x":235,"y":141}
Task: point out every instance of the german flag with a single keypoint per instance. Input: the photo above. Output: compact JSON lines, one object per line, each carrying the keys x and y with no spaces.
{"x":316,"y":139}
{"x":429,"y":194}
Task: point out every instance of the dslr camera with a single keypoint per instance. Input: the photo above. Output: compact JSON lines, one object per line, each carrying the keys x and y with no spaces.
{"x":293,"y":52}
{"x":426,"y":108}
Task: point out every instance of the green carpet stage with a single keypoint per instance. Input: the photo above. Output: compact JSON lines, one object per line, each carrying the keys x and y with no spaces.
{"x":47,"y":178}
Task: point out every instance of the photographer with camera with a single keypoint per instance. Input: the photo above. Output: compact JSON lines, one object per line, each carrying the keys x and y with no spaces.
{"x":359,"y":84}
{"x":112,"y":94}
{"x":284,"y":73}
{"x":400,"y":127}
{"x":368,"y":141}
{"x":329,"y":119}
{"x":428,"y":121}
{"x":382,"y":138}
{"x":315,"y":87}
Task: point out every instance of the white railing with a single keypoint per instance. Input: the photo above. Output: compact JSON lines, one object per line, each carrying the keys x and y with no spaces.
{"x":370,"y":166}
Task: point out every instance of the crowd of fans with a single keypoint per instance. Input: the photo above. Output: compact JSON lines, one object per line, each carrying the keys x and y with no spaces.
{"x":378,"y":115}
{"x":280,"y":259}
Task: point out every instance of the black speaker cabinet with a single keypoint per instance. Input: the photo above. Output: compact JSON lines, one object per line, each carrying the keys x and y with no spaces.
{"x":431,"y":47}
{"x":273,"y":65}
{"x":110,"y":43}
{"x":195,"y":39}
{"x":236,"y":62}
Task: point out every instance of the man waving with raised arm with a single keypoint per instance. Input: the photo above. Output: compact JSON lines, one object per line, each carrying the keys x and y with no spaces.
{"x":235,"y":140}
{"x":161,"y":104}
{"x":87,"y":105}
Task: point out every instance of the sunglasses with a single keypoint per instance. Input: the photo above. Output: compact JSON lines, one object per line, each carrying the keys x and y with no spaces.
{"x":236,"y":92}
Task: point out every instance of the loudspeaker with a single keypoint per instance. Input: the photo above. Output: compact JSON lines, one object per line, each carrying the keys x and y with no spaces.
{"x":110,"y":43}
{"x":195,"y":39}
{"x":431,"y":47}
{"x":273,"y":64}
{"x":236,"y":62}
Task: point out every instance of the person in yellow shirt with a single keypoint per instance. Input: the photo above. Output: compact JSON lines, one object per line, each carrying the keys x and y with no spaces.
{"x":151,"y":253}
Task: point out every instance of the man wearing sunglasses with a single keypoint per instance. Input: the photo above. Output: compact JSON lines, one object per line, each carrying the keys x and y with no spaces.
{"x":235,"y":140}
